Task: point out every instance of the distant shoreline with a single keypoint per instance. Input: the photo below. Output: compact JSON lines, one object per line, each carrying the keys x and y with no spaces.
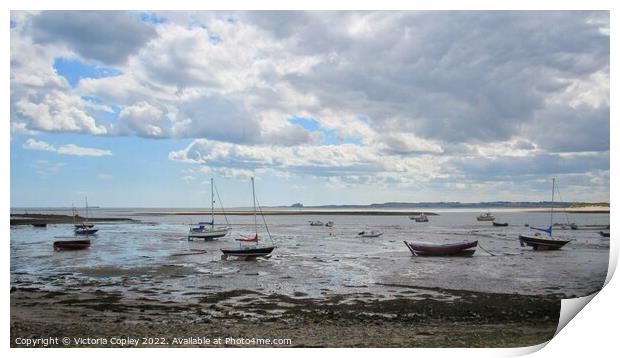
{"x":38,"y":218}
{"x":290,"y":212}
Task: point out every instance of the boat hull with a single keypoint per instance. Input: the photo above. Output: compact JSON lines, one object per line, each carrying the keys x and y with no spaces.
{"x":371,"y":235}
{"x":485,"y":219}
{"x":499,"y":224}
{"x":249,"y":253}
{"x":458,"y":249}
{"x":71,"y":245}
{"x":541,"y":244}
{"x":208,"y":234}
{"x":85,"y":231}
{"x":604,"y":234}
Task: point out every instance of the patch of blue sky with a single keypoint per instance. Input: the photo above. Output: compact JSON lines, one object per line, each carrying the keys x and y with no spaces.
{"x":330,"y":135}
{"x":214,"y":38}
{"x":74,"y":70}
{"x":152,"y":18}
{"x":140,"y":166}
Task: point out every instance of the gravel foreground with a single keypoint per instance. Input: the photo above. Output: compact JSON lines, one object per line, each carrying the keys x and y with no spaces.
{"x":243,"y":318}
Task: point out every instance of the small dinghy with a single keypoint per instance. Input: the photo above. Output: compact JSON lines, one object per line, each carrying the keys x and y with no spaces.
{"x":329,"y":224}
{"x":70,"y":245}
{"x":495,"y":223}
{"x":316,"y":223}
{"x":467,"y":248}
{"x":371,"y":233}
{"x":604,"y":234}
{"x":39,"y":224}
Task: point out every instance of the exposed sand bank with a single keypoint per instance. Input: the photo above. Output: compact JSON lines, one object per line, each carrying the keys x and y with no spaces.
{"x":30,"y":219}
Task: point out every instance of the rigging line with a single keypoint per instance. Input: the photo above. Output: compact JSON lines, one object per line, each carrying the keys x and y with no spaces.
{"x":265,"y":221}
{"x":562,"y":200}
{"x":221,"y":204}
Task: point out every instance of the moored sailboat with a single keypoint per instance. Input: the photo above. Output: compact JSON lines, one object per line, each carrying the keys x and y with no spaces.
{"x":537,"y":241}
{"x":208,"y":230}
{"x":249,"y":248}
{"x":85,"y":228}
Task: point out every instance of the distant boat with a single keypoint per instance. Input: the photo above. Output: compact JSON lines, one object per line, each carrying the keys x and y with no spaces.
{"x":208,"y":230}
{"x":329,"y":224}
{"x":85,"y":228}
{"x":248,"y":247}
{"x":539,"y":242}
{"x":495,"y":223}
{"x":71,"y":245}
{"x":565,"y":226}
{"x":419,"y":218}
{"x":591,"y":227}
{"x":371,"y":233}
{"x":467,"y":248}
{"x":39,"y":224}
{"x":316,"y":223}
{"x":485,"y":217}
{"x":604,"y":234}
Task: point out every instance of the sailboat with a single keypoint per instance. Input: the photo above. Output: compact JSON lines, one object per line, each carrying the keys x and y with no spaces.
{"x":85,"y":228}
{"x":486,"y":217}
{"x":537,"y":241}
{"x":248,"y":247}
{"x":76,"y":217}
{"x":208,"y":230}
{"x":419,"y":218}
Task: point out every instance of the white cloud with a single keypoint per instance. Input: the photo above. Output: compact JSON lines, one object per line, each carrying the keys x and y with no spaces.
{"x":46,"y":168}
{"x":38,"y":145}
{"x":145,"y":120}
{"x":414,"y":89}
{"x":322,"y":161}
{"x":68,"y":149}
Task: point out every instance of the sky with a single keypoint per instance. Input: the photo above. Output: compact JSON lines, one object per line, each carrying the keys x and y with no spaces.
{"x":142,"y":108}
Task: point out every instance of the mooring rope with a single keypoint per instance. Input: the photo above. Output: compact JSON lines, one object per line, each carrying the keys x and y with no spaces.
{"x":485,"y":250}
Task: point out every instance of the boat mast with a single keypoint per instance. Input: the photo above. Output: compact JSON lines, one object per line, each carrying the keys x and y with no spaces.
{"x":212,"y":203}
{"x":86,"y":203}
{"x":552,"y":199}
{"x":254,"y":201}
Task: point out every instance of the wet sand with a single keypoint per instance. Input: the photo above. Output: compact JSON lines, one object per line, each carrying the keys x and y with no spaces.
{"x":472,"y":319}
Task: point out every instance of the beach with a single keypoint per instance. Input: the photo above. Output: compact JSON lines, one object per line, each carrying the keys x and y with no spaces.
{"x":323,"y":286}
{"x":470,"y":320}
